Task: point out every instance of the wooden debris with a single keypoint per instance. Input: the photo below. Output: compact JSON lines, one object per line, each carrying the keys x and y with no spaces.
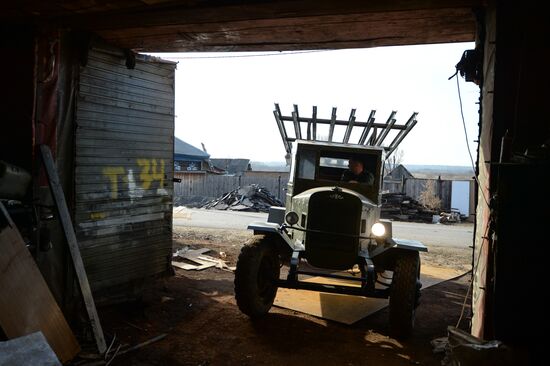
{"x":248,"y":198}
{"x":198,"y":260}
{"x":399,"y":206}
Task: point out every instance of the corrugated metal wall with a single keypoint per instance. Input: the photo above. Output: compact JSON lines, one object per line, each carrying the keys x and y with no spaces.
{"x":124,"y":167}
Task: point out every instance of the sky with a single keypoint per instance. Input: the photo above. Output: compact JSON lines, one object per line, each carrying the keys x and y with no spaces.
{"x":226,"y":101}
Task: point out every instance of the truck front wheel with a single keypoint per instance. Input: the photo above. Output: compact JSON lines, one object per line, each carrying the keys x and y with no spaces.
{"x":403,"y":294}
{"x":258,"y":269}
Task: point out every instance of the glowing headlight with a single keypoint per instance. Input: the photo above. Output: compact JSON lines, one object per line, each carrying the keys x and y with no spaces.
{"x":291,"y":218}
{"x":378,"y":229}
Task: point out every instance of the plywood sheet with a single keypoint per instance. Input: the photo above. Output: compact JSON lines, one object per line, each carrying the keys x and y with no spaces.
{"x":26,"y":303}
{"x":345,"y":308}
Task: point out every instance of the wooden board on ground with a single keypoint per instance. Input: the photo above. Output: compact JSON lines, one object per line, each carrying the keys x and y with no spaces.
{"x":26,"y":303}
{"x":196,"y":260}
{"x":345,"y":308}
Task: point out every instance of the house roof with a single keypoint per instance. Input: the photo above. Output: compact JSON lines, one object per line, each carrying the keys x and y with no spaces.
{"x":183,"y":150}
{"x":231,"y":166}
{"x":398,"y":172}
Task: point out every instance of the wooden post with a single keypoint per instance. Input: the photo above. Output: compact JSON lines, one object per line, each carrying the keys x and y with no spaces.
{"x":66,"y":223}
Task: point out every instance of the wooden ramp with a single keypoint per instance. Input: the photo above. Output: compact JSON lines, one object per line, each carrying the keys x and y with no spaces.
{"x":345,"y":308}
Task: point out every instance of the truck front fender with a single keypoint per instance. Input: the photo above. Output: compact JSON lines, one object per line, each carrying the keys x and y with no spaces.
{"x":260,"y":227}
{"x":407,"y":244}
{"x":395,"y":243}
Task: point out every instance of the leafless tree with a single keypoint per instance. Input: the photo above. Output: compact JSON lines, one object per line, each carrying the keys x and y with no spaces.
{"x":393,"y":161}
{"x":429,"y":198}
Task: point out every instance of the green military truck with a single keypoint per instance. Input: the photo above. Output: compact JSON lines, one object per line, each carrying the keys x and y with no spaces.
{"x":332,"y":224}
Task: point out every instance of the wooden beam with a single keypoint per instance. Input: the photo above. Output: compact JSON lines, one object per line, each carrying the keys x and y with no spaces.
{"x":67,"y":225}
{"x":300,"y":32}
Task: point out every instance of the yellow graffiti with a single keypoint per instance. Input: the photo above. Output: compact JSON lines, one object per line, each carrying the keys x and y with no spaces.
{"x":112,"y":174}
{"x":150,"y":172}
{"x":97,"y":215}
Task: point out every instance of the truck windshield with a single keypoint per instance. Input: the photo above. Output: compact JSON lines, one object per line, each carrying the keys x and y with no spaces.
{"x":347,"y":167}
{"x":333,"y":162}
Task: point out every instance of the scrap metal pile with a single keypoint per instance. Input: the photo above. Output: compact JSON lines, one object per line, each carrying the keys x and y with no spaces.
{"x":399,"y":206}
{"x":248,"y":198}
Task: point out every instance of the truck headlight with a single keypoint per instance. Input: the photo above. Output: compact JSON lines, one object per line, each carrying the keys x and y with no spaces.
{"x":378,"y":229}
{"x":291,"y":218}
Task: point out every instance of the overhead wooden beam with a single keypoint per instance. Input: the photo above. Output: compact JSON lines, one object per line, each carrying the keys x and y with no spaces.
{"x":289,"y":25}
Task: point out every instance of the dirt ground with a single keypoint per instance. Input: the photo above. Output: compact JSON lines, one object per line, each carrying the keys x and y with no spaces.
{"x":203,"y":326}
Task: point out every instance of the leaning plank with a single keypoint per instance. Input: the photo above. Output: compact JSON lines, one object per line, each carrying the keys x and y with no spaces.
{"x":66,"y":223}
{"x":26,"y":303}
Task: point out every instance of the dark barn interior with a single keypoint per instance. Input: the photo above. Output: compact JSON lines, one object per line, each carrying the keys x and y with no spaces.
{"x":46,"y":48}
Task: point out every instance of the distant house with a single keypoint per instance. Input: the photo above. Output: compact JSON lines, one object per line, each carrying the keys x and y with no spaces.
{"x":188,"y":158}
{"x":230,"y":166}
{"x":398,"y":173}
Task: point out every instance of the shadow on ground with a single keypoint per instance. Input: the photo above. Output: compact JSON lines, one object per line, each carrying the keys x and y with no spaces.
{"x":204,"y":327}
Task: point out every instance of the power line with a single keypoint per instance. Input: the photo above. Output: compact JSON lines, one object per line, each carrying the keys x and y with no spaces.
{"x":282,"y":53}
{"x":467,"y":142}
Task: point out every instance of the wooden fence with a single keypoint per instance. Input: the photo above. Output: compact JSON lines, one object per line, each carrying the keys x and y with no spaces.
{"x":211,"y":185}
{"x":200,"y":184}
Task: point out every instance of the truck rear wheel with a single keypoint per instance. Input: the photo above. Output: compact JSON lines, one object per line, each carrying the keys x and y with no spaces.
{"x":403,"y":294}
{"x":258,"y":269}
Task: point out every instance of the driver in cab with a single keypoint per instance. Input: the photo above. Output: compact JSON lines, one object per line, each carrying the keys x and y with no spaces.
{"x":356,"y":172}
